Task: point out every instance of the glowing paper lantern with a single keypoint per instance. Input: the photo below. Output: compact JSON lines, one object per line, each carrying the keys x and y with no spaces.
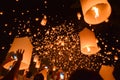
{"x":95,"y":11}
{"x":36,"y":58}
{"x":106,"y":72}
{"x":44,"y":21}
{"x":88,"y":42}
{"x":54,"y":68}
{"x":37,"y":64}
{"x":78,"y":15}
{"x":25,"y":44}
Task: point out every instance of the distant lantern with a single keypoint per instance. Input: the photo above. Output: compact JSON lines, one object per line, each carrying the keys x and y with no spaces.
{"x":36,"y":58}
{"x":78,"y":15}
{"x":95,"y":11}
{"x":1,"y":13}
{"x":54,"y":68}
{"x":44,"y":20}
{"x":20,"y":43}
{"x":106,"y":72}
{"x":88,"y":42}
{"x":36,"y":19}
{"x":38,"y":64}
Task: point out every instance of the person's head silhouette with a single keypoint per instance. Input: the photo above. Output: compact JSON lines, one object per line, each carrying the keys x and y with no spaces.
{"x":39,"y":76}
{"x":84,"y":74}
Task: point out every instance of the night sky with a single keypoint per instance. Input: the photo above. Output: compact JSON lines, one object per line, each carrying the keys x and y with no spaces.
{"x":57,"y":43}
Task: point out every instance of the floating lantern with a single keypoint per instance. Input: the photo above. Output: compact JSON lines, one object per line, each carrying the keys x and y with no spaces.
{"x":24,"y":44}
{"x":106,"y":72}
{"x":36,"y":58}
{"x":88,"y":42}
{"x":44,"y":21}
{"x":54,"y":68}
{"x":37,"y":64}
{"x":78,"y":15}
{"x":95,"y":11}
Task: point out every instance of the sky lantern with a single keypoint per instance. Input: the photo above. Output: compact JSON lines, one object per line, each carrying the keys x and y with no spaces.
{"x":95,"y":11}
{"x":78,"y":15}
{"x":37,"y":65}
{"x":24,"y":44}
{"x":106,"y":72}
{"x":88,"y":42}
{"x":44,"y":21}
{"x":36,"y":58}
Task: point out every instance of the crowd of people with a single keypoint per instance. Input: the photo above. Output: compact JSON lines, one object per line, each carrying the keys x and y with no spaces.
{"x":81,"y":74}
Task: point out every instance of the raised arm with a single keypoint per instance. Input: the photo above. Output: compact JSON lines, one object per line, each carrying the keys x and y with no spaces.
{"x":12,"y":74}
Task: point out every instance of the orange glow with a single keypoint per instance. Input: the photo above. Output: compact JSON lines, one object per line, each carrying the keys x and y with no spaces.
{"x":37,"y":64}
{"x":1,"y":13}
{"x":44,"y":21}
{"x":36,"y":19}
{"x":36,"y":57}
{"x":78,"y":15}
{"x":88,"y":43}
{"x":54,"y":68}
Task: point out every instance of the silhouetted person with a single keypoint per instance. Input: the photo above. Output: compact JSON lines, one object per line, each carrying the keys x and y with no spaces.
{"x":39,"y":76}
{"x":84,"y":74}
{"x":12,"y":74}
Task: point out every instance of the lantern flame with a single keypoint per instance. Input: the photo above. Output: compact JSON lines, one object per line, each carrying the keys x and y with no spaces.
{"x":96,"y":11}
{"x":78,"y":15}
{"x":88,"y":49}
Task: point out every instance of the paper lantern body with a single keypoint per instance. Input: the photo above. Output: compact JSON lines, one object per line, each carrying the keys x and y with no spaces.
{"x":88,"y":42}
{"x":25,"y":44}
{"x":95,"y":11}
{"x":78,"y":15}
{"x":106,"y":72}
{"x":37,"y":64}
{"x":44,"y":21}
{"x":36,"y":58}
